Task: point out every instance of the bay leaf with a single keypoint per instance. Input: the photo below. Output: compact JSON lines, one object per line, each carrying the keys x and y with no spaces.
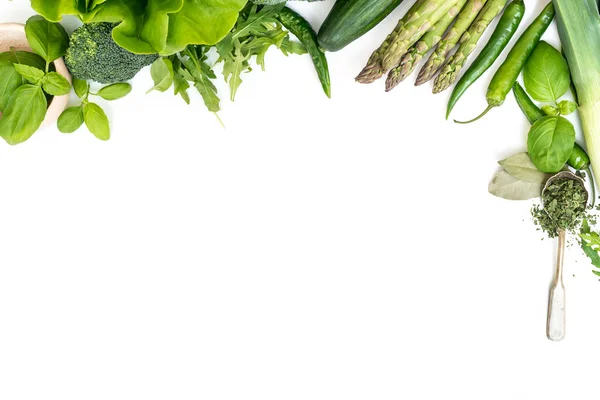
{"x":521,"y":167}
{"x":505,"y":186}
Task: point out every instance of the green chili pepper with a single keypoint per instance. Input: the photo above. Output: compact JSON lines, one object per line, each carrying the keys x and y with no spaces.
{"x":300,"y":28}
{"x":506,"y":28}
{"x":578,"y":160}
{"x":509,"y":71}
{"x":531,"y":111}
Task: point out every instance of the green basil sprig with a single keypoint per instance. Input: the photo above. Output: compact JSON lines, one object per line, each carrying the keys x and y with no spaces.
{"x":90,"y":113}
{"x":550,"y":143}
{"x":25,"y":81}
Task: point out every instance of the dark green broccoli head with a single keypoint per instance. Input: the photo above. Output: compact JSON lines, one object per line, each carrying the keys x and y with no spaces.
{"x":94,"y":55}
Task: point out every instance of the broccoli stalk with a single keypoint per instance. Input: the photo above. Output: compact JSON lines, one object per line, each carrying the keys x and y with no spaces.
{"x":94,"y":55}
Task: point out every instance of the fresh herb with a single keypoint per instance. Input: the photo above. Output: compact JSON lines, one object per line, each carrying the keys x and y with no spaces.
{"x":26,"y":85}
{"x":563,"y":207}
{"x":546,"y":74}
{"x":90,"y":113}
{"x":550,"y":143}
{"x":590,"y":244}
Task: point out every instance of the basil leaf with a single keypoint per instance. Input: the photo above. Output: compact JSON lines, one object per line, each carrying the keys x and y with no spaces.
{"x":23,"y":115}
{"x":96,"y":121}
{"x":567,"y":107}
{"x":550,"y":143}
{"x":508,"y":187}
{"x":48,"y":39}
{"x":22,"y":57}
{"x":546,"y":74}
{"x":81,"y":87}
{"x":550,"y":111}
{"x":56,"y":84}
{"x":162,"y":74}
{"x":31,"y":74}
{"x":115,"y":91}
{"x":10,"y":80}
{"x":70,"y":120}
{"x":521,"y":168}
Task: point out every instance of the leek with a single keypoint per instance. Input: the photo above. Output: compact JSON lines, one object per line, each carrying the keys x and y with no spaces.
{"x":579,"y":29}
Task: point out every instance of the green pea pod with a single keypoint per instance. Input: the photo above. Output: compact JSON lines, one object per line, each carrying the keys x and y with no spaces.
{"x":578,"y":159}
{"x":300,"y":28}
{"x":505,"y":30}
{"x":506,"y":76}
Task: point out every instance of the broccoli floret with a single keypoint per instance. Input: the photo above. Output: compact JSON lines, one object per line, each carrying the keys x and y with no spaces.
{"x":94,"y":55}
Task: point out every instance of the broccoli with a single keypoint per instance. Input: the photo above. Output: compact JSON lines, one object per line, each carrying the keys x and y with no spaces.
{"x":94,"y":55}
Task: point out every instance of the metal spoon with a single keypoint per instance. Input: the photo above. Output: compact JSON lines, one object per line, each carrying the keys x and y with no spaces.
{"x":555,"y":327}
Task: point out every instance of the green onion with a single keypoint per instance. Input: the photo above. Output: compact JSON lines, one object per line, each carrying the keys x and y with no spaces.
{"x":579,"y":30}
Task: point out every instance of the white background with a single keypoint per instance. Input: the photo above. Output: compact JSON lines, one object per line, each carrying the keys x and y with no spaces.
{"x":314,"y":249}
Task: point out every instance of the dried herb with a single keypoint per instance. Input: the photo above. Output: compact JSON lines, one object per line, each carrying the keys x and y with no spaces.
{"x":564,"y":207}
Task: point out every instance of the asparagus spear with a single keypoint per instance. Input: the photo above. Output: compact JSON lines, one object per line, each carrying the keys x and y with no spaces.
{"x":438,"y":57}
{"x":421,"y":17}
{"x":419,"y":49}
{"x":468,"y":43}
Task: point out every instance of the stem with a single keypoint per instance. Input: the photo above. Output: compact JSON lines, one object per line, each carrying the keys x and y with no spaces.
{"x":220,"y":120}
{"x":476,"y":118}
{"x":592,"y":186}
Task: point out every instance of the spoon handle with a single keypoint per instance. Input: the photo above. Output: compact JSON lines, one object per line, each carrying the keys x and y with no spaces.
{"x":555,"y":329}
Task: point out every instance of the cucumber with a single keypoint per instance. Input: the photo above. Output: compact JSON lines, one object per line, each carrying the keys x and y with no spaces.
{"x":350,"y":19}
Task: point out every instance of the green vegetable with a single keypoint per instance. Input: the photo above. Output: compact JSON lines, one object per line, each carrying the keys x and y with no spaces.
{"x":91,"y":113}
{"x":505,"y":30}
{"x":300,"y":28}
{"x":26,"y":87}
{"x":94,"y":55}
{"x":438,"y":57}
{"x":162,"y":74}
{"x":546,"y":74}
{"x":22,"y":57}
{"x":590,"y":244}
{"x":47,"y":39}
{"x":578,"y":159}
{"x":579,"y":30}
{"x":550,"y":111}
{"x":531,"y":111}
{"x":506,"y":76}
{"x":152,"y":26}
{"x":414,"y":55}
{"x":24,"y":114}
{"x":416,"y":22}
{"x":550,"y":143}
{"x":566,"y":107}
{"x":468,"y":43}
{"x":350,"y":19}
{"x":96,"y":121}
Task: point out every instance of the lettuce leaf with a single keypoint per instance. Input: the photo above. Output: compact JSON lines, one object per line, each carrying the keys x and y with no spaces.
{"x":152,"y":26}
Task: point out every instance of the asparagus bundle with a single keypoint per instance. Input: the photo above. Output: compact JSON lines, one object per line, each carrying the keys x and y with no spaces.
{"x":421,"y":17}
{"x":438,"y":57}
{"x":468,"y":43}
{"x":419,"y":49}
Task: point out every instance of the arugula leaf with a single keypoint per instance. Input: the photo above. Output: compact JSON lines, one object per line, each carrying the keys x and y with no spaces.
{"x":201,"y":74}
{"x":590,"y":244}
{"x":234,"y":66}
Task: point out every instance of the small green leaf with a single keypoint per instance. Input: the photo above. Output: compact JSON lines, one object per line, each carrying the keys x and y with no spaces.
{"x":31,"y":74}
{"x":550,"y":111}
{"x":162,"y":74}
{"x":24,"y":114}
{"x":56,"y":84}
{"x":586,"y":243}
{"x":71,"y":119}
{"x":22,"y":57}
{"x":546,"y":74}
{"x":48,"y":39}
{"x":10,"y":80}
{"x":567,"y":107}
{"x":115,"y":91}
{"x":96,"y":121}
{"x":550,"y":143}
{"x":181,"y":87}
{"x":81,"y":87}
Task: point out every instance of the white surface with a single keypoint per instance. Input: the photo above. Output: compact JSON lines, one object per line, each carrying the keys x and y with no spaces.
{"x":314,"y":249}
